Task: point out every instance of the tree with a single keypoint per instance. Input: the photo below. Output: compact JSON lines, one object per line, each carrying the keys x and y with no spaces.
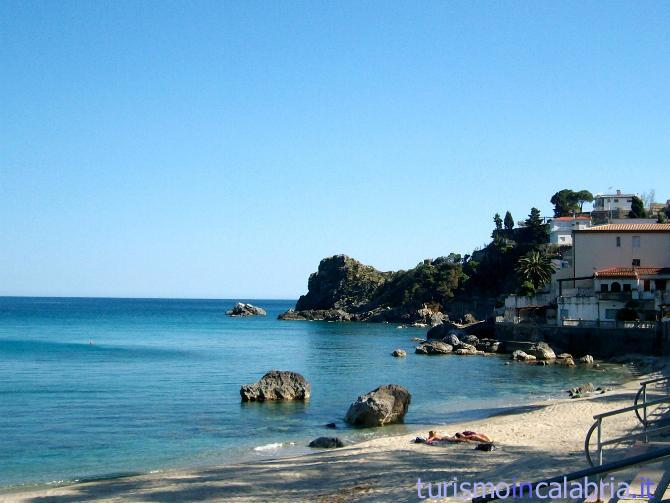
{"x":537,"y":230}
{"x":498,"y":221}
{"x":565,"y":203}
{"x":536,"y":268}
{"x":509,"y":221}
{"x":637,"y":208}
{"x":583,"y":196}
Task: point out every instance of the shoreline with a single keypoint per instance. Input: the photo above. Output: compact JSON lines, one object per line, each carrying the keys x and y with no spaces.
{"x":243,"y":481}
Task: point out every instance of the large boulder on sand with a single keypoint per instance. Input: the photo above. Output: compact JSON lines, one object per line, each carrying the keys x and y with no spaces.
{"x":433,"y":348}
{"x":241,"y":309}
{"x":277,"y":385}
{"x":387,"y":404}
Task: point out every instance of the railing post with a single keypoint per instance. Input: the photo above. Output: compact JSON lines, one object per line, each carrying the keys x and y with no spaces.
{"x":600,"y":455}
{"x":644,"y":412}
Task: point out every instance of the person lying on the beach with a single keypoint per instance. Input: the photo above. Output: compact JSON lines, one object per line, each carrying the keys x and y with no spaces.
{"x":463,"y":436}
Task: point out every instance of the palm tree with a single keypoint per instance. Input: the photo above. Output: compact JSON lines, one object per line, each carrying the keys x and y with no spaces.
{"x":536,"y":268}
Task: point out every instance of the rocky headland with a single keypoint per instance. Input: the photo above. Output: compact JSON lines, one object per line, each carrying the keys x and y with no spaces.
{"x":344,"y":289}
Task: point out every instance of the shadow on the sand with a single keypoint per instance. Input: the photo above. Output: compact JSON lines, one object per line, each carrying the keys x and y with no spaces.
{"x":330,"y":478}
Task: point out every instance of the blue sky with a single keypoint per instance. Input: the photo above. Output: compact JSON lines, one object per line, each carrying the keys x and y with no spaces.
{"x":221,"y":149}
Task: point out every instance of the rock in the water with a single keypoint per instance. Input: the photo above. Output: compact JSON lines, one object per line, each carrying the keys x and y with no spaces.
{"x":562,"y":356}
{"x":417,"y":339}
{"x":399,"y":353}
{"x":445,"y":329}
{"x":471,"y":339}
{"x":331,"y":426}
{"x":326,"y":443}
{"x":586,"y":359}
{"x":465,"y":347}
{"x":569,"y":362}
{"x":522,"y":356}
{"x":488,"y":345}
{"x":469,"y":319}
{"x":584,"y":389}
{"x":385,"y":405}
{"x":433,"y":348}
{"x":542,"y":351}
{"x":452,"y":339}
{"x":277,"y":385}
{"x":464,"y":351}
{"x":241,"y":309}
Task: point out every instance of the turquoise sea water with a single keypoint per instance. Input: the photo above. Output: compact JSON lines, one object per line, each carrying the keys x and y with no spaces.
{"x":99,"y":387}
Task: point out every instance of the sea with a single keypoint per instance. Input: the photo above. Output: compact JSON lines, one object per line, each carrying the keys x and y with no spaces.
{"x":97,"y":387}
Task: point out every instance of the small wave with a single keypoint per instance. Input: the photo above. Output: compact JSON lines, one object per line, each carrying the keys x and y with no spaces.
{"x":268,"y":447}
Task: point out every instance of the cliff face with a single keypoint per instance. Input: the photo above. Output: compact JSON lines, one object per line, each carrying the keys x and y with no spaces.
{"x":344,"y":289}
{"x":341,"y":283}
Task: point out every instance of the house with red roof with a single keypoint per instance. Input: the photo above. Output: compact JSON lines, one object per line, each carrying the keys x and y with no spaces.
{"x":619,"y":273}
{"x":560,"y":228}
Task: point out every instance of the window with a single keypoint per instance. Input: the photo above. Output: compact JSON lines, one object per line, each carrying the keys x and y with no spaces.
{"x":636,"y":262}
{"x":647,"y":285}
{"x":562,"y":238}
{"x":661,"y":284}
{"x":616,"y":287}
{"x":616,"y":200}
{"x":565,"y":313}
{"x":610,"y":314}
{"x":636,"y":241}
{"x":618,"y":241}
{"x":604,"y":287}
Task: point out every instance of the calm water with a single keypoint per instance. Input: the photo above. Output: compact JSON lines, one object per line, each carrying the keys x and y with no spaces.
{"x":96,"y":387}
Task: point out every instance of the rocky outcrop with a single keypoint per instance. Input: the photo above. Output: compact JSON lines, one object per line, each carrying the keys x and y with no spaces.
{"x":341,"y":283}
{"x":586,"y":359}
{"x":433,"y":348}
{"x":326,"y":443}
{"x":317,"y":315}
{"x":387,"y":404}
{"x":399,"y":353}
{"x":241,"y":309}
{"x":277,"y":385}
{"x":582,"y":390}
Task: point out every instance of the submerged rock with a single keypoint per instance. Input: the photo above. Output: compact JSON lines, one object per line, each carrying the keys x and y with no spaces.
{"x":277,"y":385}
{"x":433,"y":348}
{"x":241,"y":309}
{"x":387,"y":404}
{"x":399,"y":353}
{"x":326,"y":443}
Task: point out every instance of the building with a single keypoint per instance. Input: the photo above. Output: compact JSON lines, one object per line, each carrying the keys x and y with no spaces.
{"x":560,"y":229}
{"x":616,"y":267}
{"x":609,"y":206}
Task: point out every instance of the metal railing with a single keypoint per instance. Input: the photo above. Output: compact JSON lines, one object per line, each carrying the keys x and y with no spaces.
{"x":597,"y":426}
{"x":614,"y":466}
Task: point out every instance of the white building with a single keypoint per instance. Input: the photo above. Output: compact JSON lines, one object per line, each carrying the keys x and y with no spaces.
{"x":613,"y":202}
{"x":612,"y":266}
{"x":560,"y":229}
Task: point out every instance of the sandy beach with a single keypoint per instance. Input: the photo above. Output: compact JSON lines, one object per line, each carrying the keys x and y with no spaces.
{"x":534,"y":441}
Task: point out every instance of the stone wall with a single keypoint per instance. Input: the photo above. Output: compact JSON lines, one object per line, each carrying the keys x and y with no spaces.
{"x":602,"y":342}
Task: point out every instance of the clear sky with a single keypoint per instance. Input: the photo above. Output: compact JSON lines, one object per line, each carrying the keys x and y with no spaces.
{"x":221,"y":149}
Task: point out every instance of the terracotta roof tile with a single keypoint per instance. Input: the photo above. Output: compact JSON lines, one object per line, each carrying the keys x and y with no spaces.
{"x":631,"y":272}
{"x":628,"y":228}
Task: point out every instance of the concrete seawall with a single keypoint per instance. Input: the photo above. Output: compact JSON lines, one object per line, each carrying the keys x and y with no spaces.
{"x":602,"y":342}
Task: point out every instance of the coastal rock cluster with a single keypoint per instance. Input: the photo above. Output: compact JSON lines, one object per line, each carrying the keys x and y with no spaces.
{"x":387,"y":404}
{"x":344,"y":289}
{"x":242,"y":309}
{"x":277,"y":385}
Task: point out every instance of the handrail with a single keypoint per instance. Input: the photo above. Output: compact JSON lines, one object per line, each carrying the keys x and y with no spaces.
{"x":643,"y":392}
{"x":632,"y":407}
{"x":586,"y":472}
{"x":597,"y":425}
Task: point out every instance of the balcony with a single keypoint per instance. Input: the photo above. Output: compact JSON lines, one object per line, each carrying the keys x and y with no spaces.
{"x":617,"y":296}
